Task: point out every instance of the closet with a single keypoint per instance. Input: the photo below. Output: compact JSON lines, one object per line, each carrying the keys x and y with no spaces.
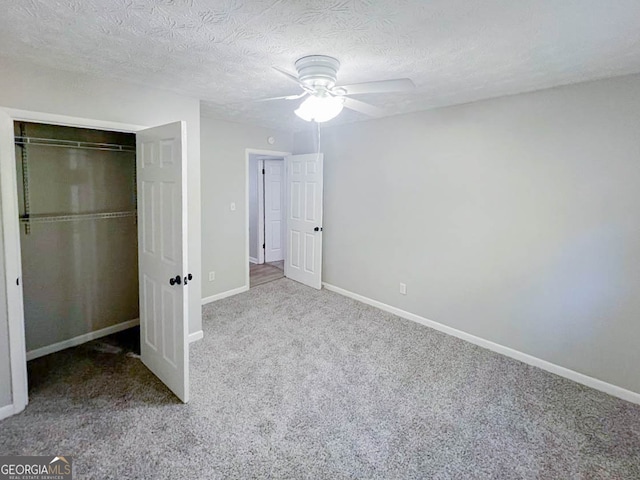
{"x":77,"y":209}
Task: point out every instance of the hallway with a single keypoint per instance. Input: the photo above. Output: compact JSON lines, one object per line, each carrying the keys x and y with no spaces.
{"x":267,"y":272}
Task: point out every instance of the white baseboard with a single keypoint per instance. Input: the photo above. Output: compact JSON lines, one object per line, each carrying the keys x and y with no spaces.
{"x":6,"y":411}
{"x":75,"y":341}
{"x":228,"y":293}
{"x":195,"y":336}
{"x":605,"y":387}
{"x":253,"y":260}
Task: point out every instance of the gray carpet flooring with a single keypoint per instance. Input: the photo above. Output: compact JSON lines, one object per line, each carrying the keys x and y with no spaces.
{"x":289,"y":382}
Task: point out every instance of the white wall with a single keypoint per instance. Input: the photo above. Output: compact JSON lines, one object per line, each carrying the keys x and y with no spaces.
{"x":224,"y":165}
{"x":253,"y":206}
{"x":514,"y":219}
{"x":27,"y":87}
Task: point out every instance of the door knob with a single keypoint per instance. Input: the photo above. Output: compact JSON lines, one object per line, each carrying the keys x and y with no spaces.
{"x":173,"y":281}
{"x":187,"y":278}
{"x":317,"y":229}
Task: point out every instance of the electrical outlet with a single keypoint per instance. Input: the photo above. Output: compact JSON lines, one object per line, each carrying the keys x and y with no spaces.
{"x":212,"y":276}
{"x":233,"y":206}
{"x":403,"y":288}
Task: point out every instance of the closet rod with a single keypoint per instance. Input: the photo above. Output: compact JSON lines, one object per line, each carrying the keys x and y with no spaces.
{"x":46,"y":218}
{"x":52,"y":142}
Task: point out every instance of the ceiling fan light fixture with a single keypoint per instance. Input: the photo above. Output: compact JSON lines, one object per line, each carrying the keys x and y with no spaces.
{"x":320,"y":109}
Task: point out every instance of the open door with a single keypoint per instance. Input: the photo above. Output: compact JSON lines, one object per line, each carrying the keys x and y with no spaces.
{"x":304,"y":219}
{"x":273,"y":214}
{"x":162,"y":254}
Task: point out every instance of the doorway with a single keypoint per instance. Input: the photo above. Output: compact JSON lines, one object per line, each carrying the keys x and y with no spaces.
{"x":160,"y":228}
{"x":267,"y":225}
{"x":299,"y":209}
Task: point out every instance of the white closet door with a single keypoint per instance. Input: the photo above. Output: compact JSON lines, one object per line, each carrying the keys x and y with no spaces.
{"x":162,"y":251}
{"x":304,"y":219}
{"x":273,"y":210}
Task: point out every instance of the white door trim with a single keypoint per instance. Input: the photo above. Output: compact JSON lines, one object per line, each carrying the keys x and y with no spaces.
{"x":68,"y":121}
{"x":260,"y":195}
{"x":247,"y":152}
{"x":11,"y":244}
{"x":13,"y":271}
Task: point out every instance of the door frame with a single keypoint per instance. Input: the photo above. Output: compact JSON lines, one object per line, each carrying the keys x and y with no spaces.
{"x":248,"y":152}
{"x":260,"y":195}
{"x":12,"y":247}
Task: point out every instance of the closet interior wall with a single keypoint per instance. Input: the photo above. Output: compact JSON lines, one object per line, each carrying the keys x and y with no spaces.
{"x":78,"y":235}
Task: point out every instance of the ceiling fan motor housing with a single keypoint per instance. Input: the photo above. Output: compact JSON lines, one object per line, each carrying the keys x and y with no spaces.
{"x":318,"y":72}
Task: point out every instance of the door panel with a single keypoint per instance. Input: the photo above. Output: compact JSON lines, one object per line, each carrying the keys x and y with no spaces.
{"x":303,"y":217}
{"x":171,"y":232}
{"x":161,"y":153}
{"x":295,"y":200}
{"x":273,"y":212}
{"x":147,"y":221}
{"x":148,"y":317}
{"x":310,"y":252}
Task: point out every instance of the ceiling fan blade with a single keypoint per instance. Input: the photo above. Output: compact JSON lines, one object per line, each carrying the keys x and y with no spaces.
{"x":286,"y":97}
{"x":382,"y":86}
{"x":363,"y":107}
{"x":288,"y":75}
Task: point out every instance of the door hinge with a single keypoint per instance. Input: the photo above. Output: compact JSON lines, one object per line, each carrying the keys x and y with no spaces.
{"x":263,"y":172}
{"x":263,"y":246}
{"x":18,"y":281}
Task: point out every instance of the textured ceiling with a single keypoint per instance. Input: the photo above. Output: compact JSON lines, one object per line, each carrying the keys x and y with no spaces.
{"x":455,"y":51}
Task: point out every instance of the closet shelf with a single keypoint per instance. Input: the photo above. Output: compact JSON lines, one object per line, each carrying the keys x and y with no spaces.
{"x":54,"y":142}
{"x":75,"y":217}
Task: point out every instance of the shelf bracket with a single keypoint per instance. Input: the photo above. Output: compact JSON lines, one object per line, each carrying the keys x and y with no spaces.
{"x":25,"y":181}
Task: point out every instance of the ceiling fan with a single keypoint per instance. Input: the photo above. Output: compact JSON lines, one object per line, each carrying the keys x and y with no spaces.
{"x":317,"y":76}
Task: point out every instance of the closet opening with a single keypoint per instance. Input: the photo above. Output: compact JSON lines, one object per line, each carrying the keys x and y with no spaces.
{"x":77,"y":205}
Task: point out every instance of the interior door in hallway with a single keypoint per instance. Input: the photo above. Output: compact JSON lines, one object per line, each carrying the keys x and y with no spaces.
{"x":304,"y":219}
{"x":274,"y":223}
{"x":162,"y":254}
